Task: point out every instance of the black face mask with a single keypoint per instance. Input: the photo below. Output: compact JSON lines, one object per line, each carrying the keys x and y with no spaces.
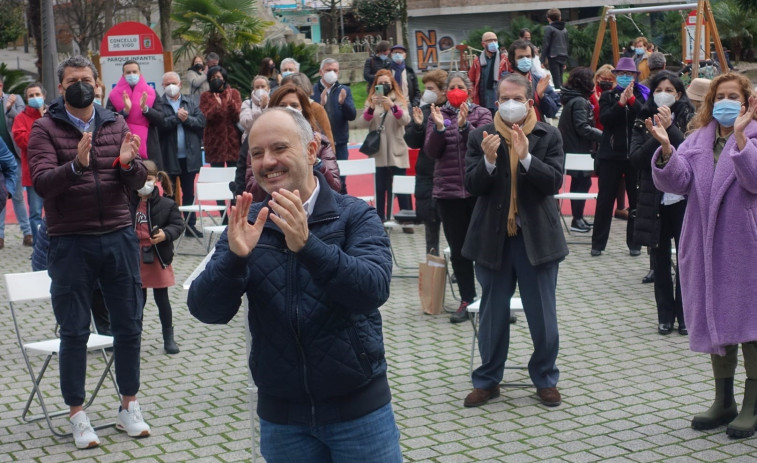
{"x":80,"y":95}
{"x":217,"y":85}
{"x":605,"y":85}
{"x":387,"y":88}
{"x":197,"y":67}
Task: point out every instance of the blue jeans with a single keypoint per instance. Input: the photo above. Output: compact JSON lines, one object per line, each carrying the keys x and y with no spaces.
{"x":374,"y":438}
{"x":76,"y":263}
{"x":19,"y":208}
{"x":35,"y":210}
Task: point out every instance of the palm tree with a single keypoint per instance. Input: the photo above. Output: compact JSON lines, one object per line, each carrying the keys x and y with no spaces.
{"x":735,"y":28}
{"x":216,"y":26}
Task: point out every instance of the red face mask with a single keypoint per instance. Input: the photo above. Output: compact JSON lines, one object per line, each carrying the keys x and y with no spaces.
{"x":456,"y":97}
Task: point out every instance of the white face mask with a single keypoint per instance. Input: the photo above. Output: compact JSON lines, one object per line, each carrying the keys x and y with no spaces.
{"x":330,"y":77}
{"x":147,"y":189}
{"x":664,"y":99}
{"x":132,"y":79}
{"x":172,"y":90}
{"x":259,"y":93}
{"x":512,"y":111}
{"x":429,"y":97}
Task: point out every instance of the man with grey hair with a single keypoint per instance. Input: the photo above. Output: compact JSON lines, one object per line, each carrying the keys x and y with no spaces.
{"x":656,"y":62}
{"x":180,"y":125}
{"x":337,"y":99}
{"x":515,"y":166}
{"x":315,"y":266}
{"x":85,"y":181}
{"x":289,"y":66}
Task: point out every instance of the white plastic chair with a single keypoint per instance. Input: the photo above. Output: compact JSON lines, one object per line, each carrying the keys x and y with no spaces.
{"x":365,"y":166}
{"x":215,"y":191}
{"x":207,"y":174}
{"x":35,"y":286}
{"x":401,"y":185}
{"x":578,"y":162}
{"x":516,"y":305}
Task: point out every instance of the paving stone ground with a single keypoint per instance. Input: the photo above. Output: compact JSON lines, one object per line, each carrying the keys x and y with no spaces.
{"x":628,"y":393}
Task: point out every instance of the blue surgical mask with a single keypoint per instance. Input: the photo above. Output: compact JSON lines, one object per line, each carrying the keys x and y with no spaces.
{"x":398,"y":58}
{"x":383,"y":57}
{"x":639,"y":51}
{"x":524,"y":64}
{"x":132,"y":79}
{"x":36,"y":102}
{"x":98,"y":101}
{"x":726,"y":112}
{"x":286,"y":73}
{"x":624,"y":81}
{"x":492,"y":47}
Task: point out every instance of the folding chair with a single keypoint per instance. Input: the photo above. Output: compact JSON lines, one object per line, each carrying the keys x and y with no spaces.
{"x":216,"y":191}
{"x":401,"y":185}
{"x":35,"y":286}
{"x":473,"y":309}
{"x":578,"y":162}
{"x":367,"y":166}
{"x":207,"y":175}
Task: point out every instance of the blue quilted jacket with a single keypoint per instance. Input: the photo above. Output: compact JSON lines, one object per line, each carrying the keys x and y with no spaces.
{"x":317,"y":346}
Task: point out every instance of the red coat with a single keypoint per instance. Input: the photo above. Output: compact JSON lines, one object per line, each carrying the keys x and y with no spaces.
{"x":221,"y":138}
{"x":22,"y":128}
{"x":474,"y":74}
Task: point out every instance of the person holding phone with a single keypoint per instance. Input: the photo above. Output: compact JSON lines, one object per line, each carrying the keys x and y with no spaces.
{"x":385,"y":98}
{"x":158,"y":224}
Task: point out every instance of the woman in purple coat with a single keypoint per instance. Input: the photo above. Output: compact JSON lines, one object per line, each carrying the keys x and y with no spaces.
{"x":446,"y":142}
{"x":716,"y":168}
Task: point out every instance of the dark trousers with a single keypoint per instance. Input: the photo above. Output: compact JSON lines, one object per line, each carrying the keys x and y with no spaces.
{"x":579,"y":184}
{"x":611,"y":172}
{"x":556,"y":66}
{"x":76,"y":263}
{"x":456,"y":216}
{"x":537,"y":291}
{"x":342,"y":154}
{"x":164,"y":306}
{"x":384,"y":180}
{"x":669,"y":304}
{"x":432,"y":223}
{"x":187,"y":180}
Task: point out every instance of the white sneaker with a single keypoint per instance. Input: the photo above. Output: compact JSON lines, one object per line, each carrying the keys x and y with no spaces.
{"x":131,"y":421}
{"x":84,"y":435}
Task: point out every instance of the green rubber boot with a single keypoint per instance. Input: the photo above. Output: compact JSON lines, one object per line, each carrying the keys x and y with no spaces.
{"x":722,"y":411}
{"x":745,"y":424}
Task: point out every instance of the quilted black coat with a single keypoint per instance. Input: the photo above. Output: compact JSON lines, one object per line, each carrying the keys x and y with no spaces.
{"x":317,"y":344}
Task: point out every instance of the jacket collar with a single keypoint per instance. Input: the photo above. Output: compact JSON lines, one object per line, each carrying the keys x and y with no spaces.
{"x":57,"y":110}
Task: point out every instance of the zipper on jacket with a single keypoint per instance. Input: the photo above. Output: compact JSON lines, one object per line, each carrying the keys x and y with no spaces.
{"x":93,"y":165}
{"x":295,"y":325}
{"x":460,"y":164}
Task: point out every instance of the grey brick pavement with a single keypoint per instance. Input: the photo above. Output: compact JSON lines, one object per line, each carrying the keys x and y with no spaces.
{"x":628,"y":393}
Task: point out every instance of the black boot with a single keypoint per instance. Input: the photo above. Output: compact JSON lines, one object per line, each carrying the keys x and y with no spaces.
{"x":169,"y":345}
{"x":745,"y":424}
{"x":722,"y":411}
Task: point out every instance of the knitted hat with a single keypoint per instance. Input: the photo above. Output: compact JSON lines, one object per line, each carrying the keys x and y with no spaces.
{"x":698,"y":89}
{"x":399,"y":47}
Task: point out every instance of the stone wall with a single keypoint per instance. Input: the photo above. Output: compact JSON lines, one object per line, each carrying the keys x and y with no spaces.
{"x":350,"y":64}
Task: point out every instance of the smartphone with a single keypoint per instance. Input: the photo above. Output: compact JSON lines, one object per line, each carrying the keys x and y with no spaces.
{"x":380,"y":90}
{"x":154,"y":231}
